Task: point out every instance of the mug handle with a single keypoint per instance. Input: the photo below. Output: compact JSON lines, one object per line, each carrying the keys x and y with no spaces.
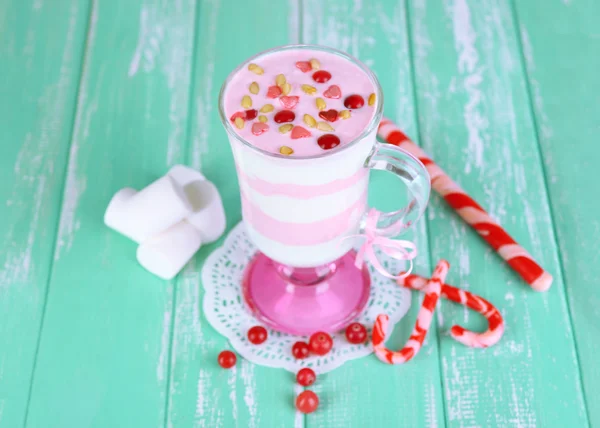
{"x":416,"y":178}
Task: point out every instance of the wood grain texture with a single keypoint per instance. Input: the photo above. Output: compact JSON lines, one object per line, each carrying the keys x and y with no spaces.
{"x":561,"y":53}
{"x":367,"y":392}
{"x":475,"y":121}
{"x":104,"y":354}
{"x":201,"y":393}
{"x":41,"y":50}
{"x":105,"y":94}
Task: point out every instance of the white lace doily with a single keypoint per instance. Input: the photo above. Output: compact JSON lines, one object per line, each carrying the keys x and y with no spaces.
{"x":226,"y":311}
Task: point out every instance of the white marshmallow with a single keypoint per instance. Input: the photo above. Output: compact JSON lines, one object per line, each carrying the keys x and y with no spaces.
{"x":148,"y":212}
{"x":165,"y":254}
{"x":208,"y":213}
{"x":113,"y":216}
{"x":184,"y":175}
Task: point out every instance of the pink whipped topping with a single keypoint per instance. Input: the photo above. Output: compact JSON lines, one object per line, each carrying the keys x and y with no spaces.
{"x":346,"y":79}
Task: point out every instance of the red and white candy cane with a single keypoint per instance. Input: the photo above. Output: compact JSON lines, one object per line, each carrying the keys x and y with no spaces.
{"x":415,"y":341}
{"x":468,"y":338}
{"x":471,"y":212}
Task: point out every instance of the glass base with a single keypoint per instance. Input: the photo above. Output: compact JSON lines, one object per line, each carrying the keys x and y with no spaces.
{"x":303,"y":301}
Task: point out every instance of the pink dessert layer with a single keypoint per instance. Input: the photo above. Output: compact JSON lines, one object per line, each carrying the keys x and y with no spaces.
{"x":303,"y":139}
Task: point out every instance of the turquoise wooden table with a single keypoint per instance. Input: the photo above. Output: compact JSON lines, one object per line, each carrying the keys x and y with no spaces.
{"x":99,"y":95}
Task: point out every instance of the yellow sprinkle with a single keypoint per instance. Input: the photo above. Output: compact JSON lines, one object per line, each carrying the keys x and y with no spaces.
{"x":286,"y":88}
{"x":246,"y":101}
{"x":310,"y":121}
{"x":321,"y":105}
{"x":310,"y":90}
{"x":345,"y":114}
{"x":286,"y":128}
{"x":267,"y":108}
{"x":372,"y":99}
{"x":324,"y":126}
{"x":256,"y":69}
{"x":285,"y":150}
{"x":239,"y":122}
{"x":254,"y":88}
{"x":280,"y":80}
{"x":315,"y":64}
{"x":262,"y":119}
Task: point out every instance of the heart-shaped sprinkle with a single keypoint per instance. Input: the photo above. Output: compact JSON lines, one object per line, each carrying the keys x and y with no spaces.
{"x":259,"y":128}
{"x":251,"y":114}
{"x":300,"y":132}
{"x":289,"y":101}
{"x":330,"y":115}
{"x":321,"y":76}
{"x":354,"y":101}
{"x":333,"y":91}
{"x":284,"y":116}
{"x":273,"y":91}
{"x":240,"y":114}
{"x":328,"y":141}
{"x":304,"y":66}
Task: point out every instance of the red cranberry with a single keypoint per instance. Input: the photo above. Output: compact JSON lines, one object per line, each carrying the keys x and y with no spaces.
{"x":251,"y":114}
{"x":330,"y":115}
{"x":307,"y":402}
{"x":300,"y":350}
{"x":356,"y":333}
{"x":227,"y":359}
{"x":320,"y":343}
{"x":321,"y":76}
{"x":328,"y":141}
{"x":257,"y":335}
{"x":354,"y":101}
{"x":284,"y":116}
{"x":306,"y":377}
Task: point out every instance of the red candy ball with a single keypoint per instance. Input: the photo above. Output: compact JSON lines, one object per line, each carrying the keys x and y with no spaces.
{"x":257,"y":335}
{"x":330,"y":115}
{"x":328,"y":141}
{"x":227,"y":359}
{"x":321,"y":76}
{"x":284,"y":116}
{"x":354,"y":101}
{"x":300,"y":350}
{"x":320,"y":343}
{"x":307,"y":402}
{"x":306,"y":377}
{"x":251,"y":114}
{"x":356,"y":333}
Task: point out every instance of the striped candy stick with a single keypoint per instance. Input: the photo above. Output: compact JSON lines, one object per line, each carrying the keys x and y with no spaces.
{"x":468,"y":338}
{"x":470,"y":211}
{"x":415,"y":341}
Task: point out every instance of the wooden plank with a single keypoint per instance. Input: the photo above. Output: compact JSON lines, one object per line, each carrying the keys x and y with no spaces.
{"x":41,"y":50}
{"x":561,"y":46}
{"x":367,"y":392}
{"x":475,"y":121}
{"x":201,"y":393}
{"x":104,"y":352}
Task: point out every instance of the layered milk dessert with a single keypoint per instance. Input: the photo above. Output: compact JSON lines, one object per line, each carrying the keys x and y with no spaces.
{"x":301,"y":123}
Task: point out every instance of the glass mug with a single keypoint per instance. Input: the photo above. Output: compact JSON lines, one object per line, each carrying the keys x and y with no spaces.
{"x":303,"y":215}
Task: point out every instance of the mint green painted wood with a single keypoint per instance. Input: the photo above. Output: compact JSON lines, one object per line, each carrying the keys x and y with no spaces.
{"x":483,"y":88}
{"x":104,"y":354}
{"x":561,"y":46}
{"x":201,"y":393}
{"x":367,"y":392}
{"x":41,"y":49}
{"x":474,"y":119}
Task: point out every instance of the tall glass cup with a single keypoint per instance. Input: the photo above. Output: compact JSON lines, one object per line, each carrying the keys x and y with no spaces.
{"x":302,"y":214}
